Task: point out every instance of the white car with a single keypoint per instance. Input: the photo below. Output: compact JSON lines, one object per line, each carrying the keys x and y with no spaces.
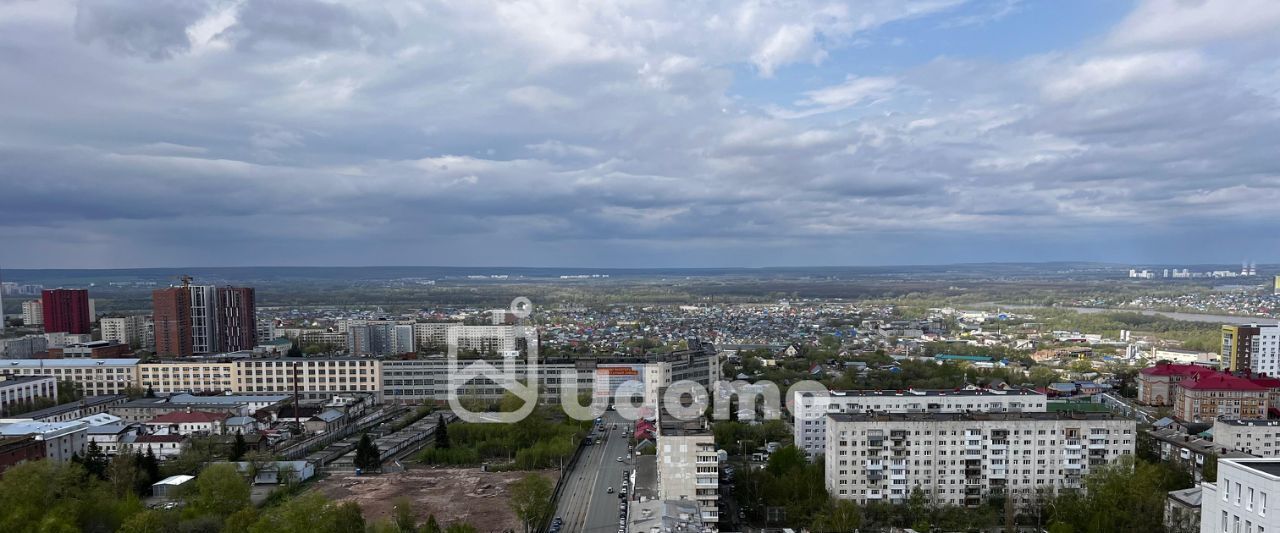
{"x":619,"y":458}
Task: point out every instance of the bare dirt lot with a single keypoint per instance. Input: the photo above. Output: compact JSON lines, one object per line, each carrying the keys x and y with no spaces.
{"x":452,"y":494}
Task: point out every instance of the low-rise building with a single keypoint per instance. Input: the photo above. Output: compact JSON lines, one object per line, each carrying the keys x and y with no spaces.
{"x":19,"y":393}
{"x":25,"y":347}
{"x":1182,"y":510}
{"x":92,"y":350}
{"x":965,"y":458}
{"x":1191,"y":452}
{"x":1203,"y":398}
{"x":164,"y":446}
{"x":109,"y":437}
{"x":188,"y":423}
{"x":17,"y":450}
{"x":1260,"y":438}
{"x":89,"y":405}
{"x":1156,"y":383}
{"x":61,"y":440}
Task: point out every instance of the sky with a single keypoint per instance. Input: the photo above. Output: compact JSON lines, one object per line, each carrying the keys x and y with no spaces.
{"x":637,"y":133}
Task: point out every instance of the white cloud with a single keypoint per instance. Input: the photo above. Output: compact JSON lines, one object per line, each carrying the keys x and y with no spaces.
{"x":1124,"y":71}
{"x":1160,"y":23}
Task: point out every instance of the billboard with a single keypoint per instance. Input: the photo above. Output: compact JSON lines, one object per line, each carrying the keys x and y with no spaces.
{"x":609,"y":378}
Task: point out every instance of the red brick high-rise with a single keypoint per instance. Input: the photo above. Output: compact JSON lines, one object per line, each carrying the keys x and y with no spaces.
{"x":171,"y":312}
{"x":66,"y":310}
{"x":237,"y":319}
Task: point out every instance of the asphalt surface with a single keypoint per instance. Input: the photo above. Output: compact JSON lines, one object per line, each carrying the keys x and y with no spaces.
{"x":585,"y":504}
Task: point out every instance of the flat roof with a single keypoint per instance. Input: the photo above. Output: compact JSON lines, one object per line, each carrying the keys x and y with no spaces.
{"x":1250,"y":422}
{"x":186,"y":398}
{"x":61,"y":363}
{"x":921,"y":393}
{"x":89,"y":401}
{"x":11,"y":380}
{"x":1267,"y":466}
{"x":880,"y":416}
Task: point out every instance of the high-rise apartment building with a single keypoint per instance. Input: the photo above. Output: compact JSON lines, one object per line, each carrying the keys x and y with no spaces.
{"x":204,"y":318}
{"x":237,"y":319}
{"x":171,"y":313}
{"x":32,"y":313}
{"x":130,"y":330}
{"x":811,"y":421}
{"x":1251,"y":348}
{"x":214,"y":319}
{"x":66,"y":311}
{"x":965,"y":458}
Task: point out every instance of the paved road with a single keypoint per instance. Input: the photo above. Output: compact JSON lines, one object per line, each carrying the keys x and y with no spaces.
{"x":585,"y":504}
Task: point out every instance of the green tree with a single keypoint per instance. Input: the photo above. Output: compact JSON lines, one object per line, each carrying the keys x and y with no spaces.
{"x":367,"y":455}
{"x":348,"y":518}
{"x":219,"y":491}
{"x":146,"y":522}
{"x":531,"y":500}
{"x":95,"y":461}
{"x":1209,"y":471}
{"x":442,"y":433}
{"x":839,"y":516}
{"x":310,"y":512}
{"x":238,"y":447}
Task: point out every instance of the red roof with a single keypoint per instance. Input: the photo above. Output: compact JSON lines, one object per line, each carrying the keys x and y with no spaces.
{"x":1177,"y":370}
{"x":1268,"y":382}
{"x":1221,"y":382}
{"x":194,"y":417}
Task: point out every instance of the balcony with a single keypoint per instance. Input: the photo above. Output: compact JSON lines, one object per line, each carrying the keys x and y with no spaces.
{"x":875,"y":466}
{"x":875,"y":496}
{"x":997,"y":473}
{"x":875,"y":442}
{"x":1074,"y":466}
{"x":1073,"y":445}
{"x":875,"y":477}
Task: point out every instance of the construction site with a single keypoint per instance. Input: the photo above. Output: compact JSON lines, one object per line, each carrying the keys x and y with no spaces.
{"x":451,"y":494}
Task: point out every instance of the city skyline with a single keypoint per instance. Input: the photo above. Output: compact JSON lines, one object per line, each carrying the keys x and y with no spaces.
{"x":751,"y":134}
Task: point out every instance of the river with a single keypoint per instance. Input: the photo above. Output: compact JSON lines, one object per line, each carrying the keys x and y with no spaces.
{"x":1189,"y":317}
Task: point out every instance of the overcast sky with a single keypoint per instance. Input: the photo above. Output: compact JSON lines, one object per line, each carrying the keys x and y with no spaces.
{"x":637,"y":133}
